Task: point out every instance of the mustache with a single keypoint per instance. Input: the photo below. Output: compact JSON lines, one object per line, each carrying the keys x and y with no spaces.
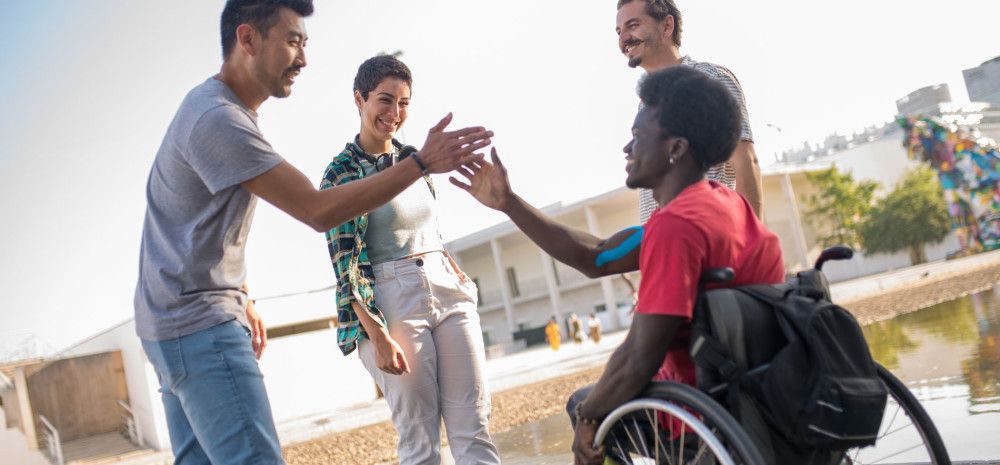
{"x":293,"y":69}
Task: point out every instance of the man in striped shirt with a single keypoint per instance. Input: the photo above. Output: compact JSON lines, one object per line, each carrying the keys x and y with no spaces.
{"x":649,"y":35}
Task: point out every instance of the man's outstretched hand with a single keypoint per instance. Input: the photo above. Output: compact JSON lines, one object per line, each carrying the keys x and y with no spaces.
{"x":487,"y":182}
{"x":445,"y":151}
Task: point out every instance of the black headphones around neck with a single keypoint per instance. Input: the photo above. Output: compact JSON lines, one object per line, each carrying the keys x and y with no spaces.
{"x":385,"y":160}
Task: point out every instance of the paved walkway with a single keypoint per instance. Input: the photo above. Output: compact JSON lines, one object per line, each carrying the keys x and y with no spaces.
{"x":541,"y":363}
{"x":853,"y":289}
{"x":526,"y":367}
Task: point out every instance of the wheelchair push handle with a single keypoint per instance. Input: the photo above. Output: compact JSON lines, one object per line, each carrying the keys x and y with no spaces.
{"x":837,"y":252}
{"x":716,"y":276}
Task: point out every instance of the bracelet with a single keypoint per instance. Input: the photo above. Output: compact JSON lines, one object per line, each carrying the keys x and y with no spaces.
{"x":420,"y":163}
{"x":582,"y":419}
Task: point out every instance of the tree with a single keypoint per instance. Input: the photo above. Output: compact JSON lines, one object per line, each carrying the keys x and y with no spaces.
{"x":912,"y":215}
{"x":840,"y":206}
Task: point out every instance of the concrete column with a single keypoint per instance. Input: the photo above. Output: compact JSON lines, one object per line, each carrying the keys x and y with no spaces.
{"x":548,"y":267}
{"x":798,"y":236}
{"x":607,"y":288}
{"x":508,"y":301}
{"x":24,"y":405}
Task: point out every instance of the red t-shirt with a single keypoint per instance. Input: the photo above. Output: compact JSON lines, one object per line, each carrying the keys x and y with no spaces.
{"x":706,"y":226}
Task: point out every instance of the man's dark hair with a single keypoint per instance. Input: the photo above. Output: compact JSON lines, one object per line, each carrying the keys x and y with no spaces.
{"x":696,"y":107}
{"x":660,"y":9}
{"x":376,"y":69}
{"x":261,"y":14}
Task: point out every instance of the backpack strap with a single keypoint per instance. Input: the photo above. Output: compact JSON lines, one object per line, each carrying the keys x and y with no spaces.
{"x":727,"y":324}
{"x":709,"y":350}
{"x":775,"y":296}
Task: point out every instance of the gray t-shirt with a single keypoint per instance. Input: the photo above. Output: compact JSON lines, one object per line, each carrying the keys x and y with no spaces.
{"x":405,"y":226}
{"x":191,"y":264}
{"x":724,"y":173}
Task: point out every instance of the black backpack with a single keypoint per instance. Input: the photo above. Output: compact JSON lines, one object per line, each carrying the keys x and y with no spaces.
{"x":785,"y":359}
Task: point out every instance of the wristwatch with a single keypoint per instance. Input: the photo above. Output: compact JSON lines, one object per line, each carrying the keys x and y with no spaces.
{"x":420,"y":163}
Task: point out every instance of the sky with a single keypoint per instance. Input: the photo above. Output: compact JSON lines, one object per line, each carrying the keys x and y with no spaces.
{"x":88,"y":87}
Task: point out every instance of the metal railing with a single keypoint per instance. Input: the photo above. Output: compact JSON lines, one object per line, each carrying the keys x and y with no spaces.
{"x":52,"y":442}
{"x":129,"y":428}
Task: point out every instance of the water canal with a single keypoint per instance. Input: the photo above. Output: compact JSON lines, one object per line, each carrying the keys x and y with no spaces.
{"x":947,"y":354}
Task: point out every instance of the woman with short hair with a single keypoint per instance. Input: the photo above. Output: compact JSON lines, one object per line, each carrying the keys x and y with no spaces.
{"x":402,"y":301}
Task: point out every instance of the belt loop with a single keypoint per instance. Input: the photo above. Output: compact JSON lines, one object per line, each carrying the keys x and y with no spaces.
{"x":388,"y":270}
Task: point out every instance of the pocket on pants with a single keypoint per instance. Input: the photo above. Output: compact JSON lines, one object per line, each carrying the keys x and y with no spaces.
{"x":233,"y":347}
{"x":471,"y":290}
{"x":165,"y":356}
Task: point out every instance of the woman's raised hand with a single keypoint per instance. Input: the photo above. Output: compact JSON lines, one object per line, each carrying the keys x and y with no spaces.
{"x":445,"y":151}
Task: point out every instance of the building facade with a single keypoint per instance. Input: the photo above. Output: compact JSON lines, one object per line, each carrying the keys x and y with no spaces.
{"x":983,"y":82}
{"x":923,"y":101}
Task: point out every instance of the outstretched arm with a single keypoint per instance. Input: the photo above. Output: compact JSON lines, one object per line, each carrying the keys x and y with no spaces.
{"x":488,"y":183}
{"x":288,"y":189}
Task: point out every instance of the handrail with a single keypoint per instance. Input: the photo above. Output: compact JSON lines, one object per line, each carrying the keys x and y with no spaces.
{"x":129,"y":424}
{"x":52,"y":440}
{"x":126,"y":407}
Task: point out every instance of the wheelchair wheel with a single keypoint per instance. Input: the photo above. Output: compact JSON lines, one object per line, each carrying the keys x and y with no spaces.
{"x":907,"y":433}
{"x":672,"y":423}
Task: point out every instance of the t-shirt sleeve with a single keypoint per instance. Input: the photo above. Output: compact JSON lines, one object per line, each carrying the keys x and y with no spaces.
{"x":728,"y":79}
{"x":671,"y":260}
{"x":226,"y":149}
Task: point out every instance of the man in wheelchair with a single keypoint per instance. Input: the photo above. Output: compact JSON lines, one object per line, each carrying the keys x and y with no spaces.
{"x":688,"y":124}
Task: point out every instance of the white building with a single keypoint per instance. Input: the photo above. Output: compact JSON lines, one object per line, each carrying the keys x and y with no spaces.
{"x":983,"y":82}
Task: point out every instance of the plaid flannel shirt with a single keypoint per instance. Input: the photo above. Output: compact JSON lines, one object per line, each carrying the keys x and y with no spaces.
{"x":349,"y":254}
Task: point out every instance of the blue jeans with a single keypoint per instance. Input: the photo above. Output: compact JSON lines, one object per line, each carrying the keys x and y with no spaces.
{"x":214,"y":397}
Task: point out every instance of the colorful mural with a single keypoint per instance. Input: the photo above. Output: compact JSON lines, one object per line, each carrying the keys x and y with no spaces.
{"x":969,"y":174}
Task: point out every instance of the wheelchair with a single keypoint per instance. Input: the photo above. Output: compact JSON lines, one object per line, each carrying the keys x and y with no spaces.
{"x":673,"y":423}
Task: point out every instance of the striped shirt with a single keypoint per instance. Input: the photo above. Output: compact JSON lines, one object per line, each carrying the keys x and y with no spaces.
{"x":723,"y":173}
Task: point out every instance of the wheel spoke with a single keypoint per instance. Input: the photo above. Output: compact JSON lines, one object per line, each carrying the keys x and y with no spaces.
{"x":898,"y":452}
{"x":701,"y":452}
{"x":631,"y":439}
{"x":893,"y":420}
{"x":683,"y":432}
{"x":656,"y":432}
{"x":622,"y":452}
{"x":642,"y":439}
{"x":889,"y":433}
{"x":673,"y":450}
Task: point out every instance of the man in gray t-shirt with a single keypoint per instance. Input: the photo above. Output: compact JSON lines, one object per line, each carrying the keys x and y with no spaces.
{"x":192,"y":312}
{"x":198,"y":216}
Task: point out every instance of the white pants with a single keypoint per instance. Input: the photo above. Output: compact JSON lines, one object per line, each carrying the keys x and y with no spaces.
{"x":433,"y":317}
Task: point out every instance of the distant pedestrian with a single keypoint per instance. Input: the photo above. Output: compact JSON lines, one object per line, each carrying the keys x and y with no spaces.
{"x":575,"y":328}
{"x":552,"y":334}
{"x":594,"y":327}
